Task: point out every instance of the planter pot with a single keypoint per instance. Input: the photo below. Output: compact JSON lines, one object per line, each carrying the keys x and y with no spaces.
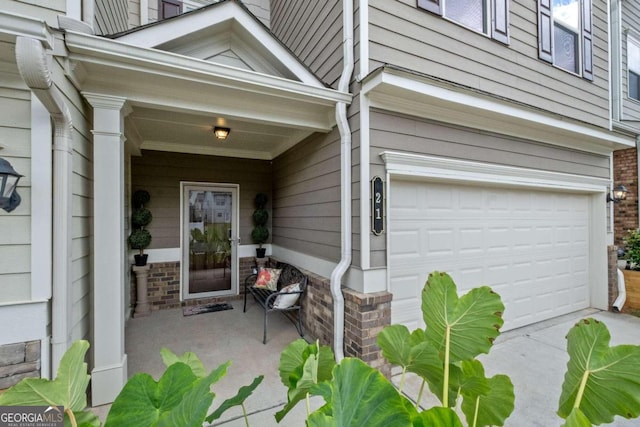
{"x":141,"y":260}
{"x":261,"y":252}
{"x":632,"y":285}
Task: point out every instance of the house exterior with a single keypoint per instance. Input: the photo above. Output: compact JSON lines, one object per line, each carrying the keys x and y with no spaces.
{"x":625,"y":109}
{"x":393,"y":138}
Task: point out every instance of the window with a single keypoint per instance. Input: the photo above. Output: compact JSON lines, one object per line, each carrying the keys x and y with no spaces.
{"x":169,"y":8}
{"x":565,"y":35}
{"x":633,"y":66}
{"x":490,"y":17}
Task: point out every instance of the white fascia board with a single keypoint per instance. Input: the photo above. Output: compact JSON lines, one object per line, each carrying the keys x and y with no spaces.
{"x":23,"y":26}
{"x":418,"y":97}
{"x":199,"y":149}
{"x":416,"y":165}
{"x":85,"y":48}
{"x":172,"y":29}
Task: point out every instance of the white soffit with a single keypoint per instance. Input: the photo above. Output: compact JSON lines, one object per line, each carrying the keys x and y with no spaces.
{"x":418,"y":97}
{"x":207,"y":32}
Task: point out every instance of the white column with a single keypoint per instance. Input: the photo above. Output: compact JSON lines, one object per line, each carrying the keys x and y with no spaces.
{"x":109,"y":373}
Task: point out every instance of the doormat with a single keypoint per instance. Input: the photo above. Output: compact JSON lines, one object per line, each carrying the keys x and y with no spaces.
{"x":207,"y":308}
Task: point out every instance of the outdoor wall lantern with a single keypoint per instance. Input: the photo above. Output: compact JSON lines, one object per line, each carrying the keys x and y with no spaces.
{"x":220,"y":132}
{"x":9,"y":197}
{"x":619,"y":193}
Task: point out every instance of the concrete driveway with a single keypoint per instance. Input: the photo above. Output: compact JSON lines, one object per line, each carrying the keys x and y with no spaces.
{"x":535,"y":359}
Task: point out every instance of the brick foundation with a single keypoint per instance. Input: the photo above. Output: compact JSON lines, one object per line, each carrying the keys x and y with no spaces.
{"x":163,"y":285}
{"x":18,"y":361}
{"x":625,"y":213}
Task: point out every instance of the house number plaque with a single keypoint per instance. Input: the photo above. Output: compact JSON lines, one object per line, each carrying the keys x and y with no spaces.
{"x":377,"y":205}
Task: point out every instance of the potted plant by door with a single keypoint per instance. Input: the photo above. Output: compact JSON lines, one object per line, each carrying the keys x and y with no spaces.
{"x":632,"y":270}
{"x":140,"y":237}
{"x":260,"y":232}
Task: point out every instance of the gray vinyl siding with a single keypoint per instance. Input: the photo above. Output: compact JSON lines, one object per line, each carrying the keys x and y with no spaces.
{"x":403,"y":35}
{"x":313,"y":32}
{"x":134,"y":13}
{"x":631,"y":26}
{"x":15,"y":136}
{"x":306,"y":197}
{"x":160,"y":174}
{"x":407,"y":134}
{"x":48,"y":10}
{"x":82,"y":207}
{"x":111,"y":16}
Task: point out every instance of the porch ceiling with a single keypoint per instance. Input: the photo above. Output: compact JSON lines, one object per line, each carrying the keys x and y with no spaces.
{"x":176,"y":100}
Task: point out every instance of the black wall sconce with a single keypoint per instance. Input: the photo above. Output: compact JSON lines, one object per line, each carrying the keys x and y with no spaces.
{"x":9,"y":197}
{"x":619,"y":193}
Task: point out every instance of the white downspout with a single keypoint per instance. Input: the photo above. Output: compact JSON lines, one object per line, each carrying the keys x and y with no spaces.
{"x":345,"y":178}
{"x":33,"y":67}
{"x":622,"y":292}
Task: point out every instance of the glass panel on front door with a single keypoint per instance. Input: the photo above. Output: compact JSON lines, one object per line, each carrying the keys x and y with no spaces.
{"x":211,"y":243}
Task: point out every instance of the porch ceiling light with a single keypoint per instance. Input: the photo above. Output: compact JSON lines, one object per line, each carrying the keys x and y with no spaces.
{"x":9,"y":197}
{"x":619,"y":193}
{"x":220,"y":132}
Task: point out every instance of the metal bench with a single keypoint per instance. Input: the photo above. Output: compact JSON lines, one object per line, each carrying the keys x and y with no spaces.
{"x":289,"y":275}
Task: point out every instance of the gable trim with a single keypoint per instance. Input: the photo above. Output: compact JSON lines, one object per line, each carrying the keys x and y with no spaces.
{"x":200,"y":19}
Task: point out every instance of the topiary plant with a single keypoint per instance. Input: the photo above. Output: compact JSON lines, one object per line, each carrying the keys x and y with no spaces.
{"x":140,"y":238}
{"x":260,"y":234}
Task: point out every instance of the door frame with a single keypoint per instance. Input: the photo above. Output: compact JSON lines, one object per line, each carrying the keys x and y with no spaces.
{"x":234,"y":189}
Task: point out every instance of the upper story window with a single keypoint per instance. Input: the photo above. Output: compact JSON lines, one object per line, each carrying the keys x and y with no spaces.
{"x":169,"y":8}
{"x":633,"y":66}
{"x":490,"y":17}
{"x":565,"y":35}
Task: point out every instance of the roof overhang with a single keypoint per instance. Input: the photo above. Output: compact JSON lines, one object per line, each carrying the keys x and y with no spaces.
{"x":161,"y":80}
{"x":417,"y":95}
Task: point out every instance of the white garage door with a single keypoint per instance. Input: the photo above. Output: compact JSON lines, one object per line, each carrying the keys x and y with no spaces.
{"x":530,"y":246}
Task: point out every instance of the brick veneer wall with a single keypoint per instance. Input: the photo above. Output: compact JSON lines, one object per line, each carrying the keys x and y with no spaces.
{"x":163,"y":285}
{"x":18,"y":361}
{"x":365,"y":315}
{"x":625,"y":213}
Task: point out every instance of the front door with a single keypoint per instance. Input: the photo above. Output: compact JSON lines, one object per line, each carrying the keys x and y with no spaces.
{"x":209,"y":240}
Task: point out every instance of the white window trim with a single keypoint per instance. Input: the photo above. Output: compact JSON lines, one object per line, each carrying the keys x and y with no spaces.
{"x":631,"y":39}
{"x":487,"y":18}
{"x":578,"y":32}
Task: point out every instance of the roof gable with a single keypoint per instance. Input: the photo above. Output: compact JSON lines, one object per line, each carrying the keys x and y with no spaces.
{"x":223,"y":33}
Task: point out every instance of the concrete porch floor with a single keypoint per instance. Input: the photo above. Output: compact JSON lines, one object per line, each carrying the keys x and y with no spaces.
{"x":216,"y":338}
{"x":534,"y":357}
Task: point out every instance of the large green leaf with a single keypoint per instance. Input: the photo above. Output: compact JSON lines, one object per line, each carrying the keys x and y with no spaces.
{"x":188,"y":358}
{"x":361,"y":396}
{"x":602,"y":381}
{"x":468,"y":325}
{"x":437,"y":417}
{"x":488,"y":401}
{"x":68,"y":389}
{"x":303,"y":365}
{"x":237,"y":400}
{"x":577,"y":419}
{"x":145,"y":402}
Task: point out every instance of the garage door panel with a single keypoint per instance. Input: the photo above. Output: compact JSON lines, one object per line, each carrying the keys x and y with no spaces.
{"x":530,"y":246}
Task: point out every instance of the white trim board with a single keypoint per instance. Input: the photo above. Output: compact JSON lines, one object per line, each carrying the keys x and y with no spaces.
{"x":398,"y":163}
{"x":394,"y":90}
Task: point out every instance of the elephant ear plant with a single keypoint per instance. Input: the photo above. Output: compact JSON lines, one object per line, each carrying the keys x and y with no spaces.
{"x":181,"y":397}
{"x":443,"y":355}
